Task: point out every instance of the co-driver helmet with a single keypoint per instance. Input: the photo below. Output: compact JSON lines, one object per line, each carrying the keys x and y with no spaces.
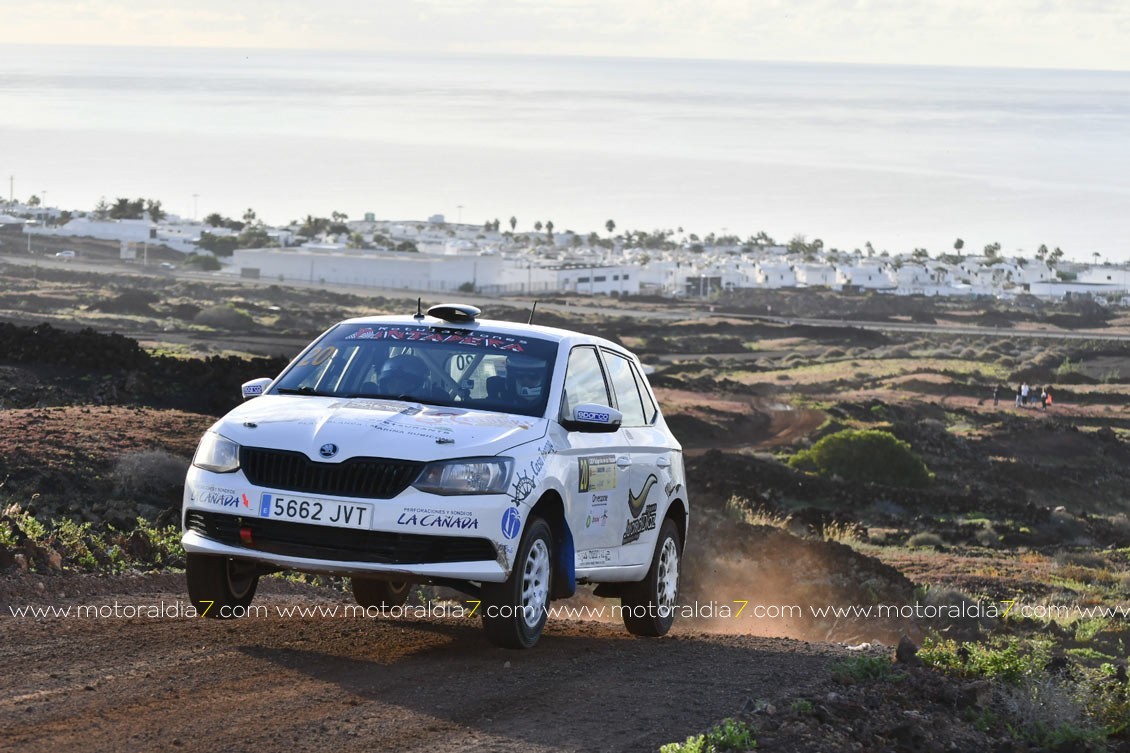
{"x":527,"y":375}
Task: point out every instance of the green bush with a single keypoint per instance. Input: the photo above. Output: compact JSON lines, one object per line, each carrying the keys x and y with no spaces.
{"x":865,"y":455}
{"x":730,"y":735}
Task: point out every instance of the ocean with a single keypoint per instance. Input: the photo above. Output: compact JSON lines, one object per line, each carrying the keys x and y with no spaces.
{"x":901,"y":157}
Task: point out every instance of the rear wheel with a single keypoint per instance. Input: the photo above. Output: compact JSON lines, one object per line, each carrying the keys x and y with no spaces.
{"x":220,"y":587}
{"x":514,"y":612}
{"x":649,"y":606}
{"x":382,"y":594}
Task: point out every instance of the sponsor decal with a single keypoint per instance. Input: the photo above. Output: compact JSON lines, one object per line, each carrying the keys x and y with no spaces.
{"x":636,"y":526}
{"x":525,"y":484}
{"x":523,"y":487}
{"x":370,"y":403}
{"x":597,"y":473}
{"x":511,"y":522}
{"x":438,"y":520}
{"x":246,"y":501}
{"x":484,"y":340}
{"x":594,"y":557}
{"x":671,"y":488}
{"x":597,"y":516}
{"x":589,"y":415}
{"x":217,"y":498}
{"x":253,"y":389}
{"x":635,"y":501}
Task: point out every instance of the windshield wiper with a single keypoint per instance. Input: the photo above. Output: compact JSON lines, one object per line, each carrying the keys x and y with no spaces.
{"x":404,"y":398}
{"x":303,"y":391}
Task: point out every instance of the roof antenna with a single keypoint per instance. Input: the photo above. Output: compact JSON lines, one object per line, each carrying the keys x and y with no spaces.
{"x":532,"y":310}
{"x":419,"y":310}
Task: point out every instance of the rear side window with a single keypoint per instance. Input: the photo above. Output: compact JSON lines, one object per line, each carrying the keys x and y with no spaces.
{"x":650,"y":410}
{"x":584,"y":380}
{"x":627,"y":392}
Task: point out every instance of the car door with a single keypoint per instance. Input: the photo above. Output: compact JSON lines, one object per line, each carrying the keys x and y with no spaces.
{"x":598,"y":465}
{"x":650,"y":481}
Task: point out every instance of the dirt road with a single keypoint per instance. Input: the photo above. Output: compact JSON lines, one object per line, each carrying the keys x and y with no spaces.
{"x":357,"y":684}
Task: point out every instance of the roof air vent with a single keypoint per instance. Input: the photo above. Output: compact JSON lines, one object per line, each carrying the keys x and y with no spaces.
{"x":456,"y":313}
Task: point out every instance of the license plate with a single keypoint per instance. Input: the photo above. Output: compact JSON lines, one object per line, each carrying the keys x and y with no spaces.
{"x":321,"y":512}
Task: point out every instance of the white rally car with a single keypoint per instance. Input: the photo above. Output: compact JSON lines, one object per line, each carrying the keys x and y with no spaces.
{"x":508,"y":461}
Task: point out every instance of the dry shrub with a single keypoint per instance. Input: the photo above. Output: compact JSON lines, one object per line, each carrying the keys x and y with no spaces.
{"x":922,"y":540}
{"x":224,"y":316}
{"x":149,"y":472}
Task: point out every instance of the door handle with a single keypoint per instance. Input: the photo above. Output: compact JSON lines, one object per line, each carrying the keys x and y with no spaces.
{"x":623,"y":461}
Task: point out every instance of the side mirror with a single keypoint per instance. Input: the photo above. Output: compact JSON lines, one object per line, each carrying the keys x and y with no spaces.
{"x":255,"y":387}
{"x":590,"y":417}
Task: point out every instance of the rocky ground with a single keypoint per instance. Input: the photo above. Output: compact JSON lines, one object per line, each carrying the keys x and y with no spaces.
{"x":1028,"y":504}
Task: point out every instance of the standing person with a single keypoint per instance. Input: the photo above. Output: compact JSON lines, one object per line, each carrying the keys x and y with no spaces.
{"x":1048,"y":390}
{"x":1043,"y":398}
{"x":996,"y":393}
{"x":1024,"y":390}
{"x":1019,"y":392}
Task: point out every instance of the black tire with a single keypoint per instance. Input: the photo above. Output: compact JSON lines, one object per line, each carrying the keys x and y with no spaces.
{"x":649,"y":606}
{"x":219,"y":585}
{"x":515,"y":611}
{"x":382,"y":594}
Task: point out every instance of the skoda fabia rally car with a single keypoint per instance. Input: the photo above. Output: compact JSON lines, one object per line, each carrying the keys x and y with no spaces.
{"x":509,"y":461}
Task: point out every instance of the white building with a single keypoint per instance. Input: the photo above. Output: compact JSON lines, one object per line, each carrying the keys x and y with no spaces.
{"x":129,"y":231}
{"x":866,"y":276}
{"x":599,"y":280}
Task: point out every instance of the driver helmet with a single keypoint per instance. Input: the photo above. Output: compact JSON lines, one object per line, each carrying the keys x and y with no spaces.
{"x":403,"y":374}
{"x":527,"y":375}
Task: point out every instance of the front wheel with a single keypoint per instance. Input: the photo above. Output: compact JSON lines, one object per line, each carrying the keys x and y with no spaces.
{"x":515,"y":611}
{"x":648,"y":607}
{"x":382,"y":594}
{"x":220,"y":587}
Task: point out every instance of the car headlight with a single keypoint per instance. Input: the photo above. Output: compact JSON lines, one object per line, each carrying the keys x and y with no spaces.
{"x":216,"y":453}
{"x":467,"y":476}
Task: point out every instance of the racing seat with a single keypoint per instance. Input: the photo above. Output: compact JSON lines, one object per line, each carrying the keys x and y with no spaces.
{"x":496,"y":387}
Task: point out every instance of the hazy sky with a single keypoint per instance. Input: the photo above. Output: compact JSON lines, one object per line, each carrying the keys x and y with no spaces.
{"x":1014,"y":33}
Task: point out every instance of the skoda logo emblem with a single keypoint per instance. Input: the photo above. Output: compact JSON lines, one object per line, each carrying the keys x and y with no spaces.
{"x":328,"y":450}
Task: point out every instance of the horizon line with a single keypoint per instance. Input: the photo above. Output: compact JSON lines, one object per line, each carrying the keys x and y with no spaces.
{"x":562,"y":56}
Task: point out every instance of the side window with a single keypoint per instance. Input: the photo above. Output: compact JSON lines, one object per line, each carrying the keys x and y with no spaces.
{"x":584,"y":380}
{"x":627,"y":393}
{"x":649,"y":408}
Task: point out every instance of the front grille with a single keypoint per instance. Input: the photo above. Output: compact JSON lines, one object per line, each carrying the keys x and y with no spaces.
{"x":337,"y":544}
{"x":367,"y":478}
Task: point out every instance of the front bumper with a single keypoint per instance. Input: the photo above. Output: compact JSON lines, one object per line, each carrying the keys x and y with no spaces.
{"x":410,"y":535}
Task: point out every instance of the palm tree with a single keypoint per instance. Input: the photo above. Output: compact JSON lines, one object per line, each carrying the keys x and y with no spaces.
{"x":537,"y":226}
{"x":610,"y":226}
{"x":958,"y":245}
{"x":154,"y":210}
{"x":549,"y":229}
{"x":513,"y":223}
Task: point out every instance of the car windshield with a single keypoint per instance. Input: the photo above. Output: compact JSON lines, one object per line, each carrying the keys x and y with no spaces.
{"x":434,"y":365}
